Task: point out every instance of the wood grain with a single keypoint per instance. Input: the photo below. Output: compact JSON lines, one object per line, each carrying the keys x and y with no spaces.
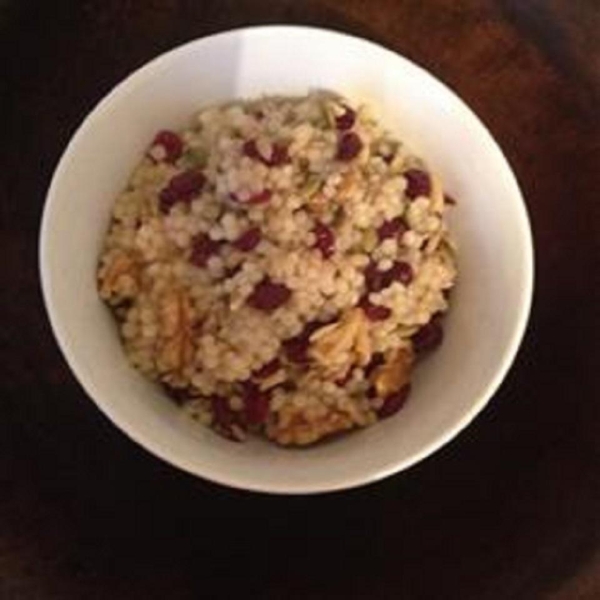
{"x":508,"y":511}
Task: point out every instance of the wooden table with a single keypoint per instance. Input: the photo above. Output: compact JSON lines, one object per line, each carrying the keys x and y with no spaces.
{"x":508,"y":511}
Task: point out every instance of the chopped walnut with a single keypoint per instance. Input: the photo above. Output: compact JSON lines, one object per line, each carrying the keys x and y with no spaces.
{"x":118,"y":277}
{"x":340,"y":345}
{"x":306,"y":426}
{"x":394,"y":373}
{"x":175,"y":318}
{"x":318,"y":203}
{"x":347,"y":187}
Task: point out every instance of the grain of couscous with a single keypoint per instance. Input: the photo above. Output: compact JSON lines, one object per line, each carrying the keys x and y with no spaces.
{"x":278,"y":267}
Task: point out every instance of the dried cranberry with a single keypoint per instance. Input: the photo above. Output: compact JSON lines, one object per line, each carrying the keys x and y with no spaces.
{"x":312,"y":326}
{"x":325,"y":239}
{"x":202,"y":249}
{"x":260,"y":197}
{"x":400,"y":271}
{"x":374,"y":278}
{"x":167,"y":199}
{"x":188,"y":183}
{"x":256,"y":403}
{"x":224,"y":417}
{"x":346,"y":120}
{"x":296,"y":348}
{"x":279,"y":154}
{"x":268,"y":295}
{"x":374,"y":312}
{"x":250,"y":149}
{"x":170,"y":143}
{"x":394,"y":402}
{"x":428,"y":337}
{"x":221,"y":410}
{"x":248,"y":240}
{"x":349,"y":146}
{"x":268,"y":369}
{"x":181,"y":188}
{"x":394,"y":227}
{"x":418,"y":183}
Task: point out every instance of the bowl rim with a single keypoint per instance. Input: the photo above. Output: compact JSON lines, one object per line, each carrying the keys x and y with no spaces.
{"x":217,"y":475}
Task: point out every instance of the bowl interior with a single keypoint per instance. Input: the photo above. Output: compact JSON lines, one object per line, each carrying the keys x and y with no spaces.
{"x":490,"y":303}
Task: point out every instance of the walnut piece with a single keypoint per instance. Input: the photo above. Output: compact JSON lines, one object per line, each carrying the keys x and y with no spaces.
{"x":175,"y":318}
{"x":118,"y":277}
{"x":301,"y":427}
{"x":338,"y":346}
{"x":394,"y":373}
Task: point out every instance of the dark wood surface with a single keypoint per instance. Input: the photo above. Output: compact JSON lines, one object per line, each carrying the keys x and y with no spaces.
{"x":510,"y":510}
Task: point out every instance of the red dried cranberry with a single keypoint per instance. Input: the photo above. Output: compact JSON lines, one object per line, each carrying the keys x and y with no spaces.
{"x":248,"y":240}
{"x":224,"y":417}
{"x":268,"y":369}
{"x":394,"y":227}
{"x":312,"y":326}
{"x":374,"y":312}
{"x":428,"y":337}
{"x":394,"y":402}
{"x":251,"y":150}
{"x":349,"y":146}
{"x":400,"y":271}
{"x":256,"y":403}
{"x":325,"y":241}
{"x":167,"y":198}
{"x":346,"y":120}
{"x":171,"y":144}
{"x":222,"y":412}
{"x":418,"y":183}
{"x":260,"y":197}
{"x":181,"y":188}
{"x":187,"y":184}
{"x":296,"y":348}
{"x":268,"y":295}
{"x":202,"y":249}
{"x":374,"y":278}
{"x":279,"y":154}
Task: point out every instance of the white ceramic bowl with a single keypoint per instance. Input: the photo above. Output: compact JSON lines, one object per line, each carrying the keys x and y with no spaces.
{"x":490,"y":304}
